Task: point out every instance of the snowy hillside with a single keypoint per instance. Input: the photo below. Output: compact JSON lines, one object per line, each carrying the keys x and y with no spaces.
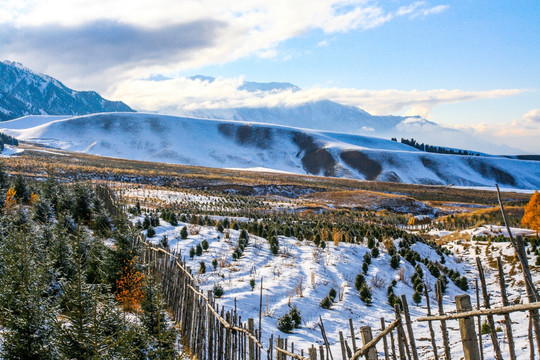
{"x":229,"y":144}
{"x":303,"y":274}
{"x":23,"y":92}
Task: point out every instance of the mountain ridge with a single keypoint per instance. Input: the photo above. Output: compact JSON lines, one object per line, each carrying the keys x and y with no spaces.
{"x":244,"y":145}
{"x":24,"y":92}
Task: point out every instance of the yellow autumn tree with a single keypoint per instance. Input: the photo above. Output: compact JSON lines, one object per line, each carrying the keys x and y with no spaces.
{"x":11,"y":200}
{"x":531,"y":217}
{"x":130,"y":286}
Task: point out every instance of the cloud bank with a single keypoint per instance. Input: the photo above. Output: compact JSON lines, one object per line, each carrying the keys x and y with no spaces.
{"x":113,"y":40}
{"x":181,"y":94}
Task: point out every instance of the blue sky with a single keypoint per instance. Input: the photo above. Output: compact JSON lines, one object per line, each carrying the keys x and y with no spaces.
{"x":473,"y":65}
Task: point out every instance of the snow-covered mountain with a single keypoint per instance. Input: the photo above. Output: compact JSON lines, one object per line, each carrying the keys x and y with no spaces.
{"x":23,"y":92}
{"x":234,"y":144}
{"x":332,"y":116}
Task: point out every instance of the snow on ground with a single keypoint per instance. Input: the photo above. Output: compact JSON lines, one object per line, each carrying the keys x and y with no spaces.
{"x":10,"y":150}
{"x":302,"y":275}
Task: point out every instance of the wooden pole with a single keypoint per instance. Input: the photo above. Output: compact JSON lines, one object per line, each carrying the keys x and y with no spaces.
{"x":367,"y":336}
{"x":342,"y":343}
{"x":444,"y":330}
{"x":401,"y":345}
{"x":260,"y":309}
{"x":531,"y":340}
{"x":430,"y":325}
{"x":328,"y":351}
{"x":352,"y":335}
{"x":251,"y":344}
{"x":394,"y":356}
{"x":491,"y":321}
{"x":466,"y":328}
{"x":532,"y":292}
{"x":408,"y":323}
{"x":507,"y":320}
{"x":479,"y":319}
{"x":385,"y":342}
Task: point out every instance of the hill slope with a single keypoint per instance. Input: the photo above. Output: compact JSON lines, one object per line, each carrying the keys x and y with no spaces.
{"x":23,"y":92}
{"x":229,"y":144}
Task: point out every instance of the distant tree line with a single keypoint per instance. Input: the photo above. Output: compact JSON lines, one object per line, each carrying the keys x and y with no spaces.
{"x":436,"y":149}
{"x":6,"y":139}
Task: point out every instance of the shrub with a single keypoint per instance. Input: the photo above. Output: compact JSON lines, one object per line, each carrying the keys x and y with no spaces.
{"x":367,"y":258}
{"x":252,"y":284}
{"x":463,"y":285}
{"x":285,"y":323}
{"x":375,"y":252}
{"x":326,"y":303}
{"x":365,"y":294}
{"x":199,"y":250}
{"x":150,"y":232}
{"x":417,"y":297}
{"x":360,"y":279}
{"x":365,"y":267}
{"x":218,"y":291}
{"x":394,"y":261}
{"x":214,"y":263}
{"x":184,"y":233}
{"x":205,"y":244}
{"x":192,"y":252}
{"x":202,"y":267}
{"x":296,"y":316}
{"x":332,"y":294}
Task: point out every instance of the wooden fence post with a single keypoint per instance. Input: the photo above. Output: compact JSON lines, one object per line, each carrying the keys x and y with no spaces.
{"x":430,"y":325}
{"x":491,"y":321}
{"x":385,"y":342}
{"x":466,"y":328}
{"x":367,"y":336}
{"x":444,"y":330}
{"x":507,"y":320}
{"x":408,"y":323}
{"x":251,"y":329}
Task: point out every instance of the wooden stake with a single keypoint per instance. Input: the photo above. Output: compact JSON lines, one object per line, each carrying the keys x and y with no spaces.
{"x":479,"y":318}
{"x":430,"y":325}
{"x":352,"y":335}
{"x":385,"y":342}
{"x":491,"y":321}
{"x":408,"y":323}
{"x":507,"y":320}
{"x":367,"y":336}
{"x":519,"y":248}
{"x":444,"y":330}
{"x":466,"y":328}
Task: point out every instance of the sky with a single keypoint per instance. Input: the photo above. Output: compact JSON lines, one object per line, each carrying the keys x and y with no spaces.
{"x":473,"y":65}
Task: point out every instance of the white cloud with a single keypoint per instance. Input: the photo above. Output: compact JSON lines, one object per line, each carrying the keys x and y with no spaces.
{"x":177,"y":95}
{"x":522,"y":133}
{"x":247,"y":28}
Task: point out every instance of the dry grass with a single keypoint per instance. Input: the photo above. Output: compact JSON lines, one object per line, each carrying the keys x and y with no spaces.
{"x":34,"y":162}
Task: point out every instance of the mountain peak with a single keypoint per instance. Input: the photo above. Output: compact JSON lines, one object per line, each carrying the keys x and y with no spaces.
{"x":24,"y":92}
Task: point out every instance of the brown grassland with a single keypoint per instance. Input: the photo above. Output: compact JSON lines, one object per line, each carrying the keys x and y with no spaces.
{"x":38,"y":161}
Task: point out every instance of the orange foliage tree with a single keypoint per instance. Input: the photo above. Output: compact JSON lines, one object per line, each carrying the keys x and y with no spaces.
{"x":11,"y":200}
{"x":130,"y":286}
{"x":531,"y":217}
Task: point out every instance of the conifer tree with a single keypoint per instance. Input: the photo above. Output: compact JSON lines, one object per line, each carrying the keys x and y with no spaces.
{"x":26,"y":314}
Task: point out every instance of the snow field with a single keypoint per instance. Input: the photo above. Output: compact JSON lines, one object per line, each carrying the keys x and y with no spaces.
{"x":302,"y":275}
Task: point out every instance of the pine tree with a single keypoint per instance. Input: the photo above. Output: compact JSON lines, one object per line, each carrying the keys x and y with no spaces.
{"x":27,"y":315}
{"x":365,"y":294}
{"x":184,"y":233}
{"x":531,"y":217}
{"x":162,"y":336}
